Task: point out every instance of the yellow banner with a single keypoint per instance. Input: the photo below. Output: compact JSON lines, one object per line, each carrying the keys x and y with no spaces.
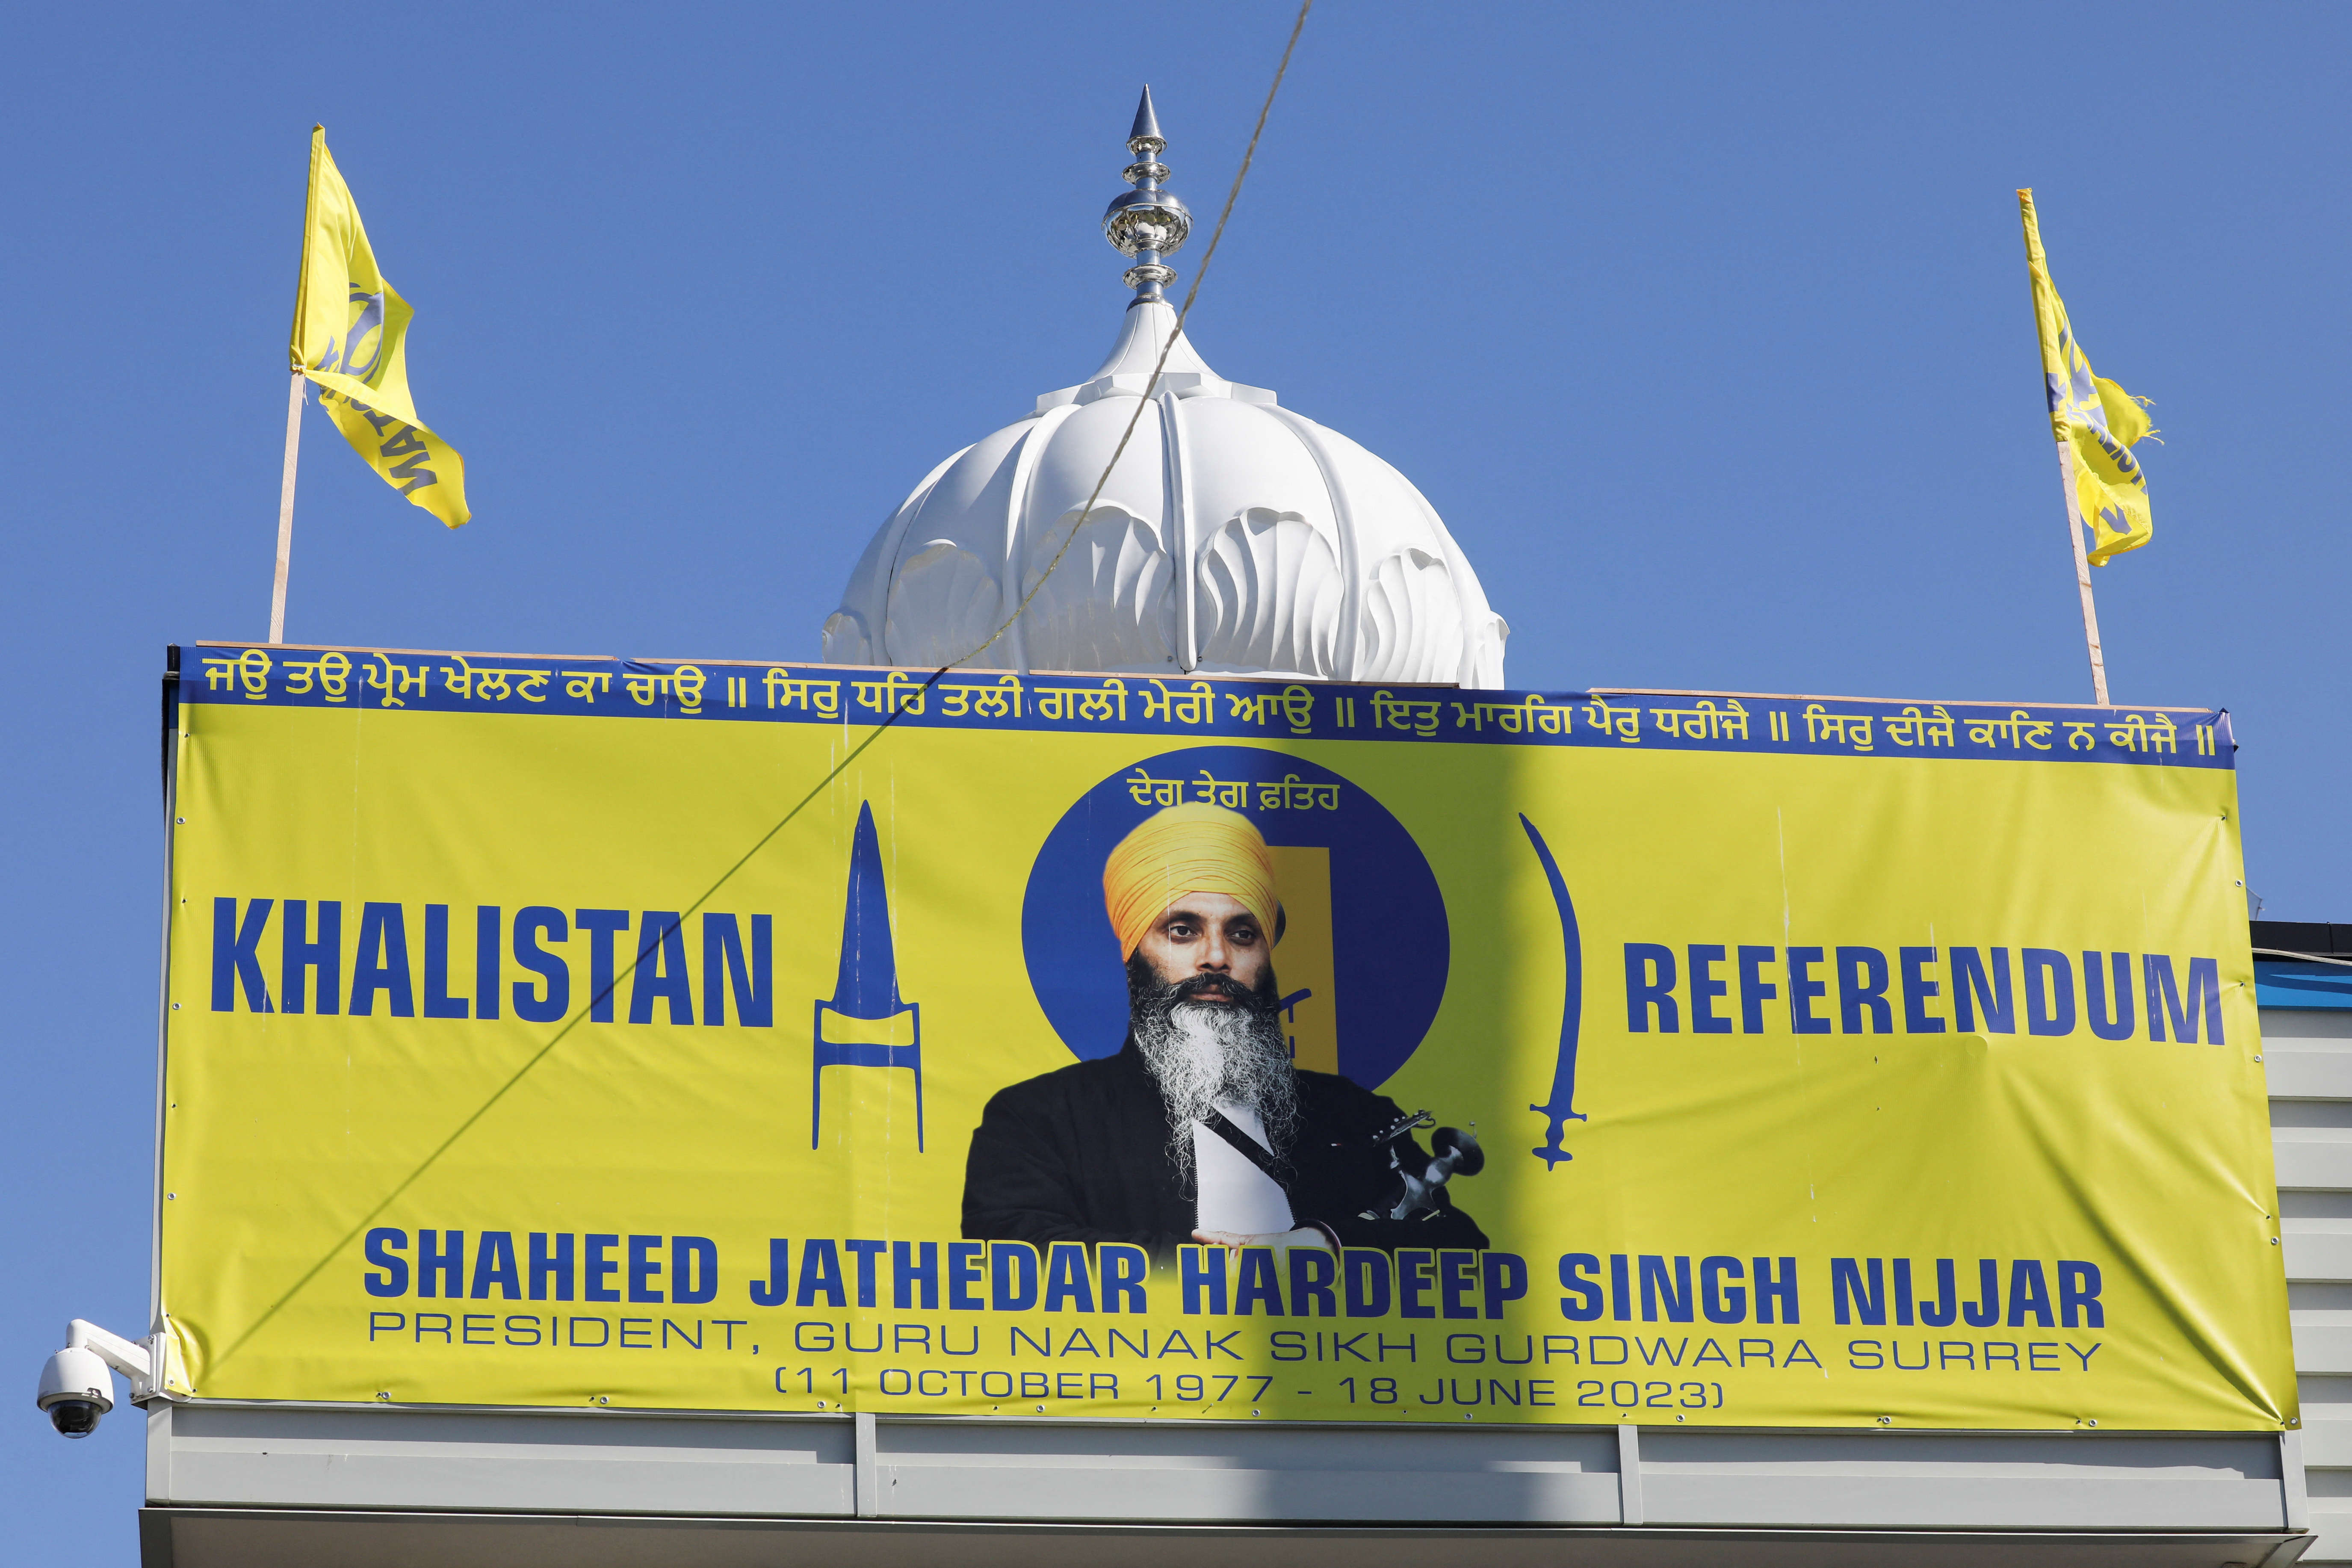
{"x":351,"y":338}
{"x":1788,"y":1062}
{"x":2096,"y":418}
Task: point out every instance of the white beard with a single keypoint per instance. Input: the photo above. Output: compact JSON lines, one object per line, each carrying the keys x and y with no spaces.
{"x":1202,"y":1053}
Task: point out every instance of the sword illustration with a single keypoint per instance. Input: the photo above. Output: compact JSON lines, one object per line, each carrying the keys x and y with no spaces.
{"x":1562,"y":1108}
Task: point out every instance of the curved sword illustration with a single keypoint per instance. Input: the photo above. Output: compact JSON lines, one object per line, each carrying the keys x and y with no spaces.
{"x":1562,"y":1108}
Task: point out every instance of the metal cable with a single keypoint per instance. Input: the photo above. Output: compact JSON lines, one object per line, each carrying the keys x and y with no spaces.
{"x":835,"y":771}
{"x":1199,"y":277}
{"x":2305,"y":957}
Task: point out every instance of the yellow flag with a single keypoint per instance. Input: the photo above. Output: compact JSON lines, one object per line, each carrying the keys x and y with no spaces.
{"x":2091,"y":414}
{"x":349,"y":337}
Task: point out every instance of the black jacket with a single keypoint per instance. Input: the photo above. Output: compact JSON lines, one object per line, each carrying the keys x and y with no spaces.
{"x":1081,"y":1154}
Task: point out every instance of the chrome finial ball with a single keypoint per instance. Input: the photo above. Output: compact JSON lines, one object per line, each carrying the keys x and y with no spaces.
{"x":1147,"y":220}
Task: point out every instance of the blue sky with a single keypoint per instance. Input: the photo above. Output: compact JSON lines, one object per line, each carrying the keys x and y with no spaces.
{"x":1705,"y":328}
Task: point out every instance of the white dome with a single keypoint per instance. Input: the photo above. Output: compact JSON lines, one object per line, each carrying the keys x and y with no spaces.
{"x":1235,"y":537}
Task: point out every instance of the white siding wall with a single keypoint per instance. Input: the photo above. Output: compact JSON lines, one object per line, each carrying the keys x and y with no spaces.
{"x":2308,"y":1055}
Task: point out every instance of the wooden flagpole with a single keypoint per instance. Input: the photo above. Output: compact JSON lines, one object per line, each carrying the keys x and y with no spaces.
{"x":286,"y":516}
{"x":2073,"y":532}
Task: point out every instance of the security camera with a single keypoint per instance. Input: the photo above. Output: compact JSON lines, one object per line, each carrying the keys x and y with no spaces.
{"x":78,"y":1384}
{"x":76,"y":1388}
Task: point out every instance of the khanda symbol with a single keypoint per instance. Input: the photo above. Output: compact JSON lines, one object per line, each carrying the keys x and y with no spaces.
{"x":2076,"y":393}
{"x":864,"y":1024}
{"x":370,"y":324}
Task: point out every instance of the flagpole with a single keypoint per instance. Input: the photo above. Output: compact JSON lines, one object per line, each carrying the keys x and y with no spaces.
{"x":2081,"y":571}
{"x":286,"y":516}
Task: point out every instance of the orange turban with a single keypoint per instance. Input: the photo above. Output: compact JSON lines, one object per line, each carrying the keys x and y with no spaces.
{"x":1189,"y":848}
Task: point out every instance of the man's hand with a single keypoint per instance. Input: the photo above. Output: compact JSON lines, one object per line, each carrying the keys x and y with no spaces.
{"x":1281,"y":1241}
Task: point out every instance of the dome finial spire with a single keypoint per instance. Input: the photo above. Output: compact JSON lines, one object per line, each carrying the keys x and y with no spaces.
{"x":1147,"y":128}
{"x":1147,"y":223}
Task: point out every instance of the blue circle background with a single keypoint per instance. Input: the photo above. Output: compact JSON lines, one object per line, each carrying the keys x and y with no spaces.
{"x":1390,"y":946}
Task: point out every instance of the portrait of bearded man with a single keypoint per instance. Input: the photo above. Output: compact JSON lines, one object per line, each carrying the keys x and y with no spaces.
{"x":1200,"y":1129}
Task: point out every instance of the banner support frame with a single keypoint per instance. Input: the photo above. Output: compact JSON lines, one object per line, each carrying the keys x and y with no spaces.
{"x":175,"y":718}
